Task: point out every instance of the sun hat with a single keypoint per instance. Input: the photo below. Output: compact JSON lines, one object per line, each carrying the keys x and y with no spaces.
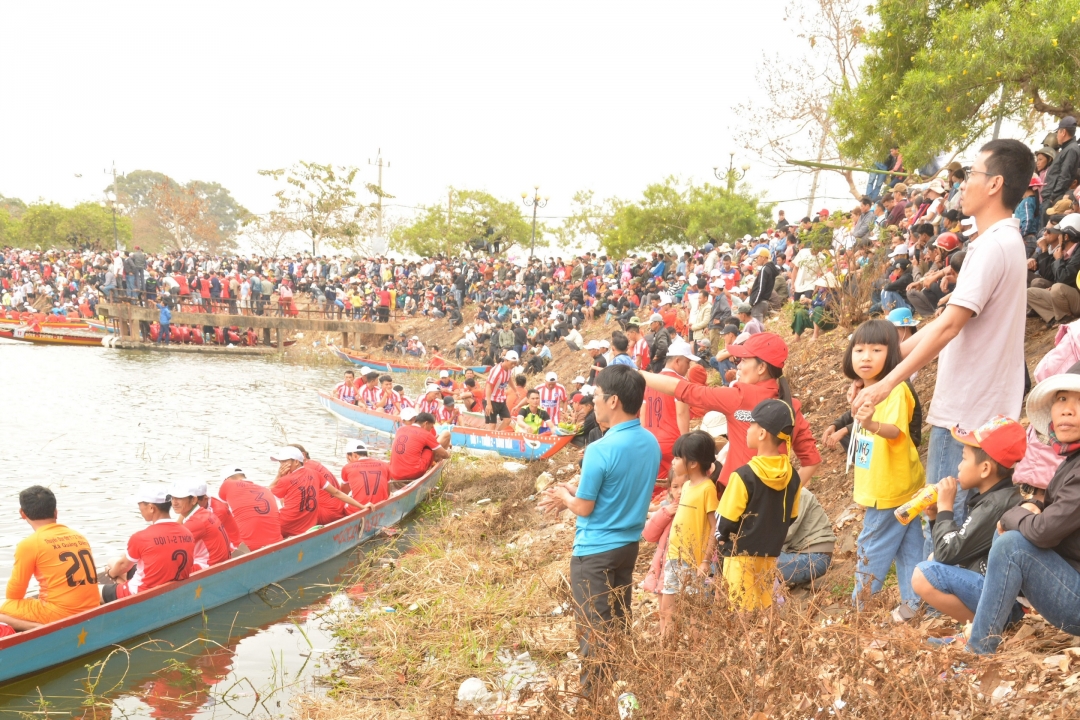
{"x":230,"y":470}
{"x":714,"y":423}
{"x":1061,"y":207}
{"x":827,"y":280}
{"x":1042,"y":395}
{"x":408,"y":413}
{"x":1002,"y":438}
{"x":681,"y":348}
{"x":287,"y":452}
{"x":593,"y":345}
{"x":551,"y":377}
{"x":936,"y":186}
{"x":902,"y":317}
{"x":766,"y":346}
{"x":356,"y":446}
{"x":725,"y":248}
{"x":587,"y":390}
{"x":635,"y":321}
{"x":579,"y":379}
{"x":156,"y":494}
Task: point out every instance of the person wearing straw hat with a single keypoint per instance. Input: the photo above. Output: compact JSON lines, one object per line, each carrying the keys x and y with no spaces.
{"x":1037,"y":549}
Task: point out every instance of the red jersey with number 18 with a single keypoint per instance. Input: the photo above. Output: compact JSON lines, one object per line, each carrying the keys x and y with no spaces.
{"x":255,"y":511}
{"x":330,"y":508}
{"x":299,"y":493}
{"x":162,"y":553}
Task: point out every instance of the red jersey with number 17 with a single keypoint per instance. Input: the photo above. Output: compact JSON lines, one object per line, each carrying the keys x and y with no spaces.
{"x":660,"y":419}
{"x":299,"y":493}
{"x":255,"y":511}
{"x":162,"y":553}
{"x":369,"y":481}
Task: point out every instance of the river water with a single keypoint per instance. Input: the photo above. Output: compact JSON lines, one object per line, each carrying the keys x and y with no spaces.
{"x":92,"y":424}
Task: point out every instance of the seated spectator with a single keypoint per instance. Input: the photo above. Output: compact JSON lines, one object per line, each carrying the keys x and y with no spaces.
{"x":532,"y":419}
{"x":808,"y":548}
{"x":1062,"y":300}
{"x":48,"y":555}
{"x":1037,"y":550}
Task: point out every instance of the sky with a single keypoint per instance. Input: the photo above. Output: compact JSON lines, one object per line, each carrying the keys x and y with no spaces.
{"x":500,"y":96}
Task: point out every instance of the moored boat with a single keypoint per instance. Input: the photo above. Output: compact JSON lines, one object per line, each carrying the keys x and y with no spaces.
{"x":437,"y":364}
{"x":92,"y":630}
{"x":25,"y":334}
{"x":507,"y":444}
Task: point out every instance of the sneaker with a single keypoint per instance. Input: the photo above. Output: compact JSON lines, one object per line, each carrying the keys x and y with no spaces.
{"x":943,"y":641}
{"x":902,"y":614}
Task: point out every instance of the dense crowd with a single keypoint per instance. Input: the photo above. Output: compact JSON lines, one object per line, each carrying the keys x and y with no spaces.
{"x":972,"y":251}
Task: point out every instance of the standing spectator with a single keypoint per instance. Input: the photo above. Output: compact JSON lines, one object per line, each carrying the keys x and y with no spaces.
{"x":1059,"y":176}
{"x":763,"y":284}
{"x":611,"y":501}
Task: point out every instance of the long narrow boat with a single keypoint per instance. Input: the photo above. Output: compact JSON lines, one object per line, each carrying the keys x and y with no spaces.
{"x":389,"y":367}
{"x":6,"y":322}
{"x":507,"y":444}
{"x":43,"y":338}
{"x":92,"y":630}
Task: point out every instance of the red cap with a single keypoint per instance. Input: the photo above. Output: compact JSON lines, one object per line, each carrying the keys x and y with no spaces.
{"x":947,"y":241}
{"x":1002,"y":438}
{"x":765,"y":346}
{"x":823,"y":212}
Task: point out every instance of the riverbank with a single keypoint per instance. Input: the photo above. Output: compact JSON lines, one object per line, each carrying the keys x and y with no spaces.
{"x":487,"y":582}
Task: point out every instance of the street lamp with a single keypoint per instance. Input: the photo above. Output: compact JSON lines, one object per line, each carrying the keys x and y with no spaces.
{"x":731,"y":175}
{"x":534,"y":202}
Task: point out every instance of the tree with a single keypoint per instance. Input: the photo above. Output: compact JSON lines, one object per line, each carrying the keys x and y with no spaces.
{"x":670,"y":213}
{"x":937,"y":77}
{"x":796,"y":120}
{"x":272,"y":235}
{"x":471,"y":220}
{"x":85,"y":226}
{"x":321,"y":202}
{"x":183,"y":213}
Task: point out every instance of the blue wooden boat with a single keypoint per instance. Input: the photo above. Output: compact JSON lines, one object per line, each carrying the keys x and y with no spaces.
{"x":389,"y":367}
{"x":507,"y":444}
{"x":92,"y":630}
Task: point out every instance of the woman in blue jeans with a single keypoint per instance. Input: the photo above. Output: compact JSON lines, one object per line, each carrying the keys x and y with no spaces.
{"x":1037,"y":550}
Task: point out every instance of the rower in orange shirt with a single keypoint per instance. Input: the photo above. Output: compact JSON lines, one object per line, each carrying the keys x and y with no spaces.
{"x":58,"y":557}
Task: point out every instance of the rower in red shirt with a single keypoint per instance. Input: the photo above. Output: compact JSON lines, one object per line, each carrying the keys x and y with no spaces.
{"x":331,"y":508}
{"x":212,"y":545}
{"x":298,"y":487}
{"x":430,"y":400}
{"x":447,"y":414}
{"x":415,"y":446}
{"x":160,"y":553}
{"x":252,"y":507}
{"x":345,"y":391}
{"x":369,"y":394}
{"x":368,"y":478}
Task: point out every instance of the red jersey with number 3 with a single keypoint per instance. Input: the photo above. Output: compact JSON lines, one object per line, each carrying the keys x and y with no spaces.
{"x":162,"y":553}
{"x":212,"y":544}
{"x":255,"y":511}
{"x":299,"y":493}
{"x":660,"y":419}
{"x":369,"y":481}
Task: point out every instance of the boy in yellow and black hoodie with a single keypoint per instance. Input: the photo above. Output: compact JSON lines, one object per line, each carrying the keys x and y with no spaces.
{"x":757,"y":508}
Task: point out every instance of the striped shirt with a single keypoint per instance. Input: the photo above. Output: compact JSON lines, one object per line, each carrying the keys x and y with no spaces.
{"x":345,"y":393}
{"x":498,"y":380}
{"x":428,"y":406}
{"x":447,"y":415}
{"x":371,"y":395}
{"x":640,"y":353}
{"x":551,"y":399}
{"x":403,"y":402}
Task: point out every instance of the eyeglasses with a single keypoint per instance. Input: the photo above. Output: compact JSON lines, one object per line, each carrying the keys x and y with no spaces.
{"x":969,"y":171}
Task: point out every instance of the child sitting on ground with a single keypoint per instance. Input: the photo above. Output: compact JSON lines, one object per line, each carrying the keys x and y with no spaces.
{"x":757,"y":508}
{"x":952,"y":581}
{"x":690,"y":546}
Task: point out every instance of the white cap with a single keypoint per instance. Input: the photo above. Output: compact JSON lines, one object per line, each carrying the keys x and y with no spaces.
{"x":681,"y":348}
{"x":579,"y":379}
{"x":665,"y":299}
{"x":415,"y":337}
{"x":552,"y":377}
{"x":593,"y":345}
{"x":287,"y":452}
{"x":356,"y":446}
{"x":511,"y":355}
{"x":431,"y":388}
{"x":588,"y":390}
{"x":230,"y":470}
{"x":899,"y":250}
{"x":408,"y":413}
{"x":365,"y":370}
{"x":972,"y":229}
{"x":444,"y":373}
{"x":714,"y":423}
{"x":605,"y":344}
{"x":187,"y":488}
{"x":156,"y":494}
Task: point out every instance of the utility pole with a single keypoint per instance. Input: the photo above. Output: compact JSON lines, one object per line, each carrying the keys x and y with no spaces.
{"x":116,"y":190}
{"x":379,"y":163}
{"x":449,"y":211}
{"x":534,"y":202}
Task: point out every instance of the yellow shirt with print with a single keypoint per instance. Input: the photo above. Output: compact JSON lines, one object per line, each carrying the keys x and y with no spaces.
{"x":690,"y":528}
{"x":888,"y":473}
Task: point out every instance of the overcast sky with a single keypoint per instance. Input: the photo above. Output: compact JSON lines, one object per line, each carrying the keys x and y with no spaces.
{"x":500,"y":96}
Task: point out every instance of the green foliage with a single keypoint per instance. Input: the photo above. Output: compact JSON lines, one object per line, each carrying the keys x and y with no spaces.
{"x":49,"y":225}
{"x":14,"y":207}
{"x":669,"y":213}
{"x":321,"y":202}
{"x":474,"y":217}
{"x":932,"y":78}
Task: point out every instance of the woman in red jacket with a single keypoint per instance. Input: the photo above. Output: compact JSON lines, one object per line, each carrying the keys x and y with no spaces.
{"x":760,"y":376}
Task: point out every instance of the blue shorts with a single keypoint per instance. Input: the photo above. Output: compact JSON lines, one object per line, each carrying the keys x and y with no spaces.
{"x":965,"y":584}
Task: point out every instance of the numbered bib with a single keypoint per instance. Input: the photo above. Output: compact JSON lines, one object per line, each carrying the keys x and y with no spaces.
{"x":864,"y":451}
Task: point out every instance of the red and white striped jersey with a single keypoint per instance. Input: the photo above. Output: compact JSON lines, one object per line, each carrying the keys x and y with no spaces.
{"x":345,"y":392}
{"x":640,"y":353}
{"x":428,"y":406}
{"x":448,"y":415}
{"x":403,"y":402}
{"x":498,"y":380}
{"x":551,"y":399}
{"x":371,"y":395}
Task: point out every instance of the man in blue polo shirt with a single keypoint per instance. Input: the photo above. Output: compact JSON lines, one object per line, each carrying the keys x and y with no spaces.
{"x":617,"y":478}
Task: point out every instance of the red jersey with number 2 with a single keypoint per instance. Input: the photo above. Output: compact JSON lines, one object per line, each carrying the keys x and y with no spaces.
{"x":299,"y":493}
{"x":369,"y":481}
{"x":659,"y":418}
{"x":162,"y":553}
{"x":255,"y":511}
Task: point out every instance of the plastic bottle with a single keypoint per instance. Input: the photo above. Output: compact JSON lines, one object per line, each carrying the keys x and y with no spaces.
{"x":627,"y":704}
{"x":910,"y":510}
